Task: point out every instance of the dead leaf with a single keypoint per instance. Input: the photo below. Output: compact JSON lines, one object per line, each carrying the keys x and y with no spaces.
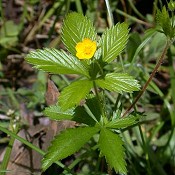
{"x":52,"y":93}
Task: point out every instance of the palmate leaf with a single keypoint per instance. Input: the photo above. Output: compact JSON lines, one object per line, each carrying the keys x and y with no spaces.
{"x":111,"y":146}
{"x":67,"y":143}
{"x":55,"y":61}
{"x":74,"y":93}
{"x":54,"y":112}
{"x":122,"y":122}
{"x":75,"y":28}
{"x":114,"y":41}
{"x":118,"y":82}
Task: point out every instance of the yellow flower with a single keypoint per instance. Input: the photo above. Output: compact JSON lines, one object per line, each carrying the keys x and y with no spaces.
{"x":86,"y":49}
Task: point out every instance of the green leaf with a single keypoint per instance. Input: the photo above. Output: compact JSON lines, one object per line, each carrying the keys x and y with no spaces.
{"x":133,"y":43}
{"x":163,"y":19}
{"x":114,"y":41}
{"x":122,"y":122}
{"x":171,"y":5}
{"x":9,"y":32}
{"x":118,"y":82}
{"x":54,"y":112}
{"x":74,"y":93}
{"x":75,"y":28}
{"x":55,"y":61}
{"x":67,"y":143}
{"x":111,"y":146}
{"x":81,"y":115}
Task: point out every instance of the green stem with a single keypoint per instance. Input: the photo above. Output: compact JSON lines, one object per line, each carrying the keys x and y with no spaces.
{"x":100,"y":102}
{"x":78,"y":6}
{"x":85,"y":106}
{"x":7,"y":156}
{"x":67,"y":6}
{"x":30,"y":145}
{"x":79,"y":159}
{"x":133,"y":18}
{"x":52,"y":29}
{"x":3,"y":17}
{"x":169,"y":139}
{"x":14,"y":101}
{"x":172,"y":80}
{"x":90,"y":113}
{"x":145,"y":147}
{"x":135,"y":9}
{"x":117,"y":102}
{"x":14,"y":126}
{"x":111,"y":19}
{"x":150,"y":78}
{"x":155,"y":162}
{"x":42,"y":20}
{"x":65,"y":79}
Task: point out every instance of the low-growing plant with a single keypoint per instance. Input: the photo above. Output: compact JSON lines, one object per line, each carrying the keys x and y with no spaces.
{"x":89,"y":57}
{"x":84,"y":100}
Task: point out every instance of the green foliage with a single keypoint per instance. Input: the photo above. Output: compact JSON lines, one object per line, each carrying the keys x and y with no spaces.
{"x":74,"y":31}
{"x":9,"y":34}
{"x":122,"y":122}
{"x":55,"y":61}
{"x":54,"y":112}
{"x":67,"y":143}
{"x":74,"y":93}
{"x":132,"y":45}
{"x":111,"y":146}
{"x":171,"y":5}
{"x":118,"y":82}
{"x":113,"y":41}
{"x":75,"y":28}
{"x":163,"y":19}
{"x":99,"y":108}
{"x":81,"y":115}
{"x":78,"y":114}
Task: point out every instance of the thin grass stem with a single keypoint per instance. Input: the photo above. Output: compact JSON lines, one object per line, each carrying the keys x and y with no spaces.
{"x":6,"y":158}
{"x":30,"y":145}
{"x":145,"y":147}
{"x":150,"y":78}
{"x":133,"y":18}
{"x":135,"y":9}
{"x":78,"y":6}
{"x":111,"y":19}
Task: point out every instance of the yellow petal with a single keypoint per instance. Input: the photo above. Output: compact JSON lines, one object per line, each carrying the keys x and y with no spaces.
{"x":86,"y":49}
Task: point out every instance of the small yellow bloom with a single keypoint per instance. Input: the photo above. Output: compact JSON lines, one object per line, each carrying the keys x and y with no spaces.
{"x":86,"y":49}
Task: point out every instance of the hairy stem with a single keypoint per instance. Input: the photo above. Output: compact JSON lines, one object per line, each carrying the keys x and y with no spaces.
{"x":150,"y":78}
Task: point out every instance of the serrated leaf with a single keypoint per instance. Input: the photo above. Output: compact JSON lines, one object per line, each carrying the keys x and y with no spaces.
{"x":114,"y":41}
{"x":75,"y":28}
{"x":74,"y":93}
{"x":111,"y":146}
{"x":122,"y":122}
{"x":163,"y":19}
{"x":67,"y":143}
{"x":118,"y":82}
{"x":54,"y":112}
{"x":55,"y":61}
